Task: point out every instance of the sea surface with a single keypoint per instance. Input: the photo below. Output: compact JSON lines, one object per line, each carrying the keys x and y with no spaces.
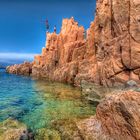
{"x":37,"y":103}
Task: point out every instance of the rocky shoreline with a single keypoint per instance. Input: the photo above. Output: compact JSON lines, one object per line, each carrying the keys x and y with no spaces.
{"x":108,"y":56}
{"x":117,"y":118}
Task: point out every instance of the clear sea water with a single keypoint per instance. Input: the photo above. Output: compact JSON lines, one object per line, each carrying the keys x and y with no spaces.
{"x":37,"y":103}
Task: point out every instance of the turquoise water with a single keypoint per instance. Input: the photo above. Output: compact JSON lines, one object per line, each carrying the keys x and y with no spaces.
{"x":37,"y":103}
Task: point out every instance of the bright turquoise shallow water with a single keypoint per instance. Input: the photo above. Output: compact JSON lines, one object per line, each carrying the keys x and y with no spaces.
{"x":37,"y":103}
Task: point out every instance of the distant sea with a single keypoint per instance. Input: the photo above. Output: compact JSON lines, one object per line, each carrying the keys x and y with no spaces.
{"x":8,"y":62}
{"x":7,"y":59}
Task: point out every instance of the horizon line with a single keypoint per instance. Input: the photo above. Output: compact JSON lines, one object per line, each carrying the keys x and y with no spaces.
{"x":15,"y":55}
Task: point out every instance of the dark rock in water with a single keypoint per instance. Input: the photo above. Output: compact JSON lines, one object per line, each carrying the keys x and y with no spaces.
{"x":93,"y":101}
{"x":27,"y":135}
{"x":11,"y":129}
{"x":24,"y":136}
{"x":17,"y":102}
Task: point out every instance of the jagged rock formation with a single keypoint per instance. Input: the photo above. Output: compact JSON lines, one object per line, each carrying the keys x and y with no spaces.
{"x":62,"y":53}
{"x":68,"y":56}
{"x":117,"y":118}
{"x":109,"y":55}
{"x":21,"y":69}
{"x":117,"y":40}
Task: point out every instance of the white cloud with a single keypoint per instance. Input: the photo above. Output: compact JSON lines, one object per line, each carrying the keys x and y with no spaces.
{"x":20,"y":56}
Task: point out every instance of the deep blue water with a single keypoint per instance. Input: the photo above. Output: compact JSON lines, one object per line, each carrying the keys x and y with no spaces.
{"x":36,"y":102}
{"x":17,"y":96}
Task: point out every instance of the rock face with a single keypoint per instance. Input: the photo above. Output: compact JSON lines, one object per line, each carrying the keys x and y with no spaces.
{"x":107,"y":53}
{"x":117,"y":40}
{"x":21,"y":69}
{"x":117,"y":118}
{"x":59,"y":59}
{"x":66,"y":56}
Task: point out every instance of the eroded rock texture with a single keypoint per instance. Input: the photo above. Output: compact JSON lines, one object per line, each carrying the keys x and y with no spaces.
{"x":108,"y":54}
{"x":117,"y":118}
{"x":66,"y":56}
{"x":20,"y":69}
{"x":117,"y":40}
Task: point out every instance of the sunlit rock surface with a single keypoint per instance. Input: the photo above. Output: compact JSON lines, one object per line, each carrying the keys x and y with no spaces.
{"x":117,"y":41}
{"x":117,"y":118}
{"x":62,"y":54}
{"x":106,"y":54}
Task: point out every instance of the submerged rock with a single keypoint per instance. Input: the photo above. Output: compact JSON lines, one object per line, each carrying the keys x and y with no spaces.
{"x":46,"y":134}
{"x":68,"y":130}
{"x":108,"y":56}
{"x":66,"y":56}
{"x":11,"y":130}
{"x":117,"y":118}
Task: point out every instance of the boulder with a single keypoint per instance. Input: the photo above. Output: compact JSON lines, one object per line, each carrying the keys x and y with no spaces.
{"x":117,"y":118}
{"x":20,"y":69}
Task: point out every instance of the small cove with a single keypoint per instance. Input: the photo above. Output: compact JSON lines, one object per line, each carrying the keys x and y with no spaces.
{"x":38,"y":104}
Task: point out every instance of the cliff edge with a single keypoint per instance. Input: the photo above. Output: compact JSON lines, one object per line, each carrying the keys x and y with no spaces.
{"x":107,"y":53}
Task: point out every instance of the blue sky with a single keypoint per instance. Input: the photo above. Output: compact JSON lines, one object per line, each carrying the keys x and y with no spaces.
{"x":22,"y":22}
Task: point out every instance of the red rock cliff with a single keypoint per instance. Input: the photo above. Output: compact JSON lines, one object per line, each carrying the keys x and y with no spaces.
{"x":108,"y":54}
{"x":66,"y":56}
